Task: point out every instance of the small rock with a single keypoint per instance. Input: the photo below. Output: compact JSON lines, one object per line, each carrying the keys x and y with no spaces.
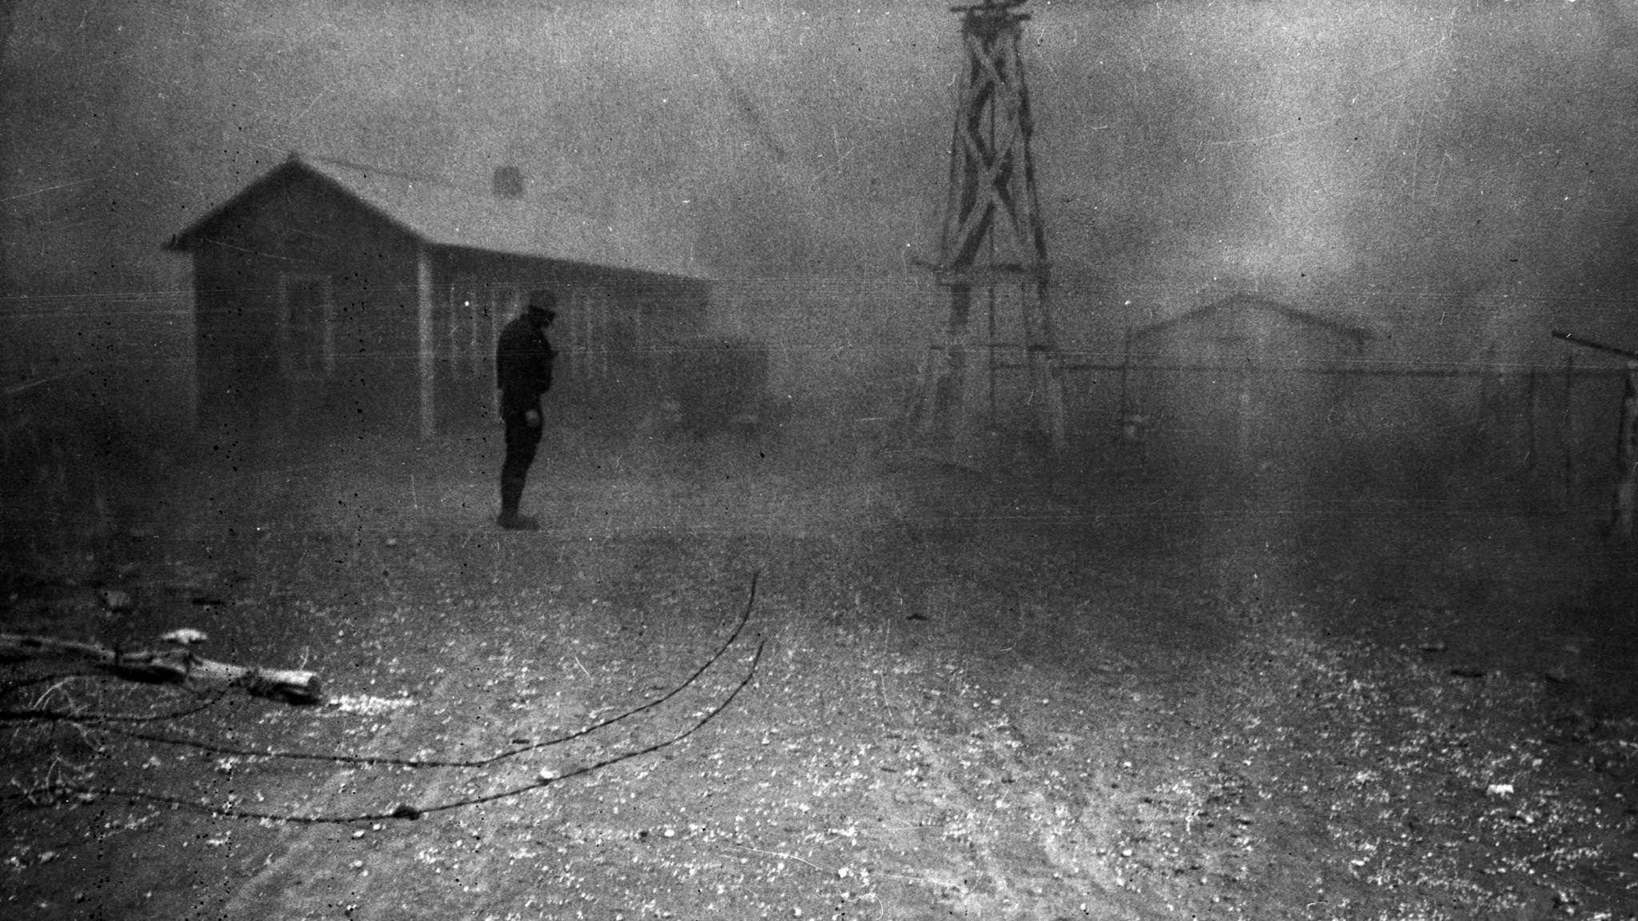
{"x":114,"y":599}
{"x":184,"y":636}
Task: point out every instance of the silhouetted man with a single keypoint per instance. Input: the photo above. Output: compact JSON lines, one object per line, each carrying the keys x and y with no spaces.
{"x":523,"y":372}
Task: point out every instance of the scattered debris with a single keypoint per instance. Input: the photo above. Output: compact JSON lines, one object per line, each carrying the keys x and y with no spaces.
{"x":115,"y":600}
{"x":367,"y":705}
{"x":184,"y":636}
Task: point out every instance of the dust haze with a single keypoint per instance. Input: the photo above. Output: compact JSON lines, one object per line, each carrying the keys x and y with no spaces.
{"x":1456,"y":178}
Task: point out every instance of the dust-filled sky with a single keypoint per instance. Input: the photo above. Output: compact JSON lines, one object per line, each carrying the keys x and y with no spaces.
{"x":1390,"y":157}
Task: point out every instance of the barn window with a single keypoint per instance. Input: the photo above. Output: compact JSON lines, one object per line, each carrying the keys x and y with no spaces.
{"x":505,"y":302}
{"x":476,"y":314}
{"x":306,"y":326}
{"x":466,"y":313}
{"x":593,"y":337}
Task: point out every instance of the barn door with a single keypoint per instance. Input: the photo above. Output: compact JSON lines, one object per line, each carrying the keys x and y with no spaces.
{"x":305,"y":326}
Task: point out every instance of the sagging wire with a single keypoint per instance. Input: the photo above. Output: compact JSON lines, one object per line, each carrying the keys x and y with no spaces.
{"x":12,"y":687}
{"x":406,"y":811}
{"x":216,"y":748}
{"x":80,"y":721}
{"x":69,"y":716}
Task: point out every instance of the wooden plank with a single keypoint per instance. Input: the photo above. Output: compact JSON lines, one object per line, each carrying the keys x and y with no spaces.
{"x":168,"y":666}
{"x":1626,"y":491}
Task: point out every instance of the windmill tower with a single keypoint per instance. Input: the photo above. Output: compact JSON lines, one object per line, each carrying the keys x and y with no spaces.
{"x":992,"y":257}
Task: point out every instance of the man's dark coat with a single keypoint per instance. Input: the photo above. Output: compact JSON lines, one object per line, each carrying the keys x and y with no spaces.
{"x":523,"y":366}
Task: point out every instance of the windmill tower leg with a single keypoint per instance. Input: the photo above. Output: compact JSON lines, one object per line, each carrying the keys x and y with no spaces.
{"x":1046,"y":384}
{"x":992,"y":240}
{"x":952,"y":386}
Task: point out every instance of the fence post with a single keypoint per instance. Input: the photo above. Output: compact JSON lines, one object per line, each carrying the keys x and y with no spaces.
{"x":1567,"y":431}
{"x":426,"y":350}
{"x":1626,"y":490}
{"x":1532,"y":449}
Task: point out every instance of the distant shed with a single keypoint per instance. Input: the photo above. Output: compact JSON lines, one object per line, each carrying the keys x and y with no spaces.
{"x":1243,"y":382}
{"x":334,"y":294}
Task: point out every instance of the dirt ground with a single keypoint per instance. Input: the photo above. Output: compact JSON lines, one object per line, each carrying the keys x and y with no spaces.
{"x":955,"y":696}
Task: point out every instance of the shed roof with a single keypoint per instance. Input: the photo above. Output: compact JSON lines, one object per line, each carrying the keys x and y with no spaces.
{"x":441,"y":213}
{"x":1252,"y":302}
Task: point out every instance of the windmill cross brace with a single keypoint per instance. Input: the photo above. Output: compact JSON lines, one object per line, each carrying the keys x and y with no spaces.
{"x":991,"y":170}
{"x":986,"y":168}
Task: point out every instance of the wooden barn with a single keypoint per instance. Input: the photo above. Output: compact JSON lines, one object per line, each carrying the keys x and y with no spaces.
{"x":1243,"y":383}
{"x":330,"y":294}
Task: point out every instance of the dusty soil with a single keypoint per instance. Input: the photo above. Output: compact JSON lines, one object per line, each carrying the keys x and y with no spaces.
{"x":967,"y":697}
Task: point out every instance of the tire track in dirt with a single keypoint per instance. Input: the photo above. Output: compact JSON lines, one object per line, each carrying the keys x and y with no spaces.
{"x":357,"y":870}
{"x":306,"y":880}
{"x":991,"y":828}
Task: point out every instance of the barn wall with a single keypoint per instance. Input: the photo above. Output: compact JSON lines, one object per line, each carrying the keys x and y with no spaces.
{"x":613,"y":333}
{"x":616,"y":328}
{"x":236,"y":364}
{"x":474,"y":295}
{"x":616,"y":333}
{"x":301,"y":229}
{"x":1234,"y":392}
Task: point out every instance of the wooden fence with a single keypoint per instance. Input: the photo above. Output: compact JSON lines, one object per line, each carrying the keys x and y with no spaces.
{"x":1555,"y":431}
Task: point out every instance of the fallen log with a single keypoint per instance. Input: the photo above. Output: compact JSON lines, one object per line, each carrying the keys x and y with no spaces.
{"x":168,"y":666}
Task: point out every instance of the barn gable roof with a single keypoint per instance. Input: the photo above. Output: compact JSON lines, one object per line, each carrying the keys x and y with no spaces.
{"x":1242,"y":302}
{"x":440,"y":213}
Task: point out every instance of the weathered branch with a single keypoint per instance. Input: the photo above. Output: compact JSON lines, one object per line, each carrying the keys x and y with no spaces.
{"x":168,"y":666}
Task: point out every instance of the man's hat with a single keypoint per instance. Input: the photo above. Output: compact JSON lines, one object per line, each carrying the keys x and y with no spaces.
{"x":543,"y":302}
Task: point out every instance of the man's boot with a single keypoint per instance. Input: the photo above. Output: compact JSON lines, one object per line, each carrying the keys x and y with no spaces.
{"x":511,"y":496}
{"x":512,"y":521}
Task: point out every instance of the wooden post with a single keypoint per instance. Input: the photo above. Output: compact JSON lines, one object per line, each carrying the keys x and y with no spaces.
{"x":1531,"y":448}
{"x":954,"y":404}
{"x":1568,"y":431}
{"x":1041,"y":342}
{"x":1626,"y":489}
{"x":426,"y":367}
